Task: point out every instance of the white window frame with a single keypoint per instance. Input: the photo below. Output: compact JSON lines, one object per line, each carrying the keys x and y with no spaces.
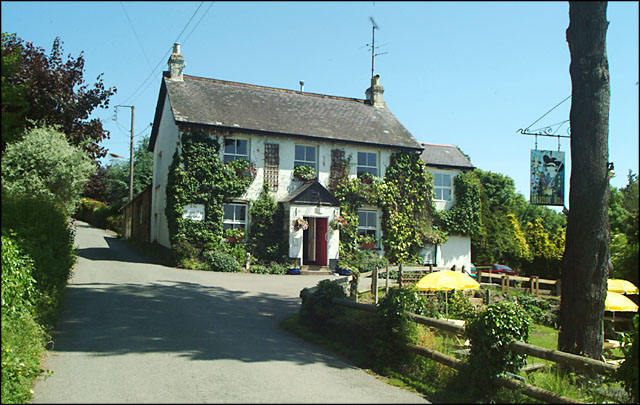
{"x":235,"y":155}
{"x":366,"y":167}
{"x":439,"y":188}
{"x":235,"y":222}
{"x":305,"y":162}
{"x":367,"y":229}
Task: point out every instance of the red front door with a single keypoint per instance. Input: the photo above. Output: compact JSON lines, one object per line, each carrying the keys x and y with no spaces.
{"x":321,"y":241}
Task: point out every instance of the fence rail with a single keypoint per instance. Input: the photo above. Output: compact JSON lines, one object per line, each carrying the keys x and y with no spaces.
{"x":581,"y":362}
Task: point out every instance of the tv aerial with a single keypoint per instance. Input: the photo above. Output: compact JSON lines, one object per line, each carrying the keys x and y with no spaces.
{"x":374,"y":27}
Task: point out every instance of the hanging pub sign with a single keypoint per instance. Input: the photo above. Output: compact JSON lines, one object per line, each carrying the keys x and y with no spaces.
{"x":194,"y":212}
{"x":547,"y":177}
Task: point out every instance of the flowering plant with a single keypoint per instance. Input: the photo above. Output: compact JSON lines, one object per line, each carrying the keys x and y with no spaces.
{"x":338,"y":223}
{"x":365,"y":177}
{"x":304,"y":172}
{"x":366,"y":239}
{"x":243,"y":167}
{"x":234,"y":233}
{"x":300,"y":223}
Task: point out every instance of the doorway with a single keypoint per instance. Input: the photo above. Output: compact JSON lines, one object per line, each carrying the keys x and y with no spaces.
{"x":314,"y":242}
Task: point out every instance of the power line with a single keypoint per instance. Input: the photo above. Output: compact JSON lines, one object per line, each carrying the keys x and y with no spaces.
{"x":198,"y":23}
{"x":136,"y":34}
{"x":163,"y":59}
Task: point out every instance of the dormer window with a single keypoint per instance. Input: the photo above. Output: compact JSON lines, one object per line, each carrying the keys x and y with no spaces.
{"x":368,"y":162}
{"x":235,"y":149}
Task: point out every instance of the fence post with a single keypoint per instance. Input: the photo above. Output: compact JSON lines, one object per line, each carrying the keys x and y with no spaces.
{"x":537,"y":285}
{"x":400,"y":275}
{"x":431,"y":268}
{"x":487,"y":299}
{"x":374,"y":284}
{"x":558,"y":288}
{"x":387,"y":284}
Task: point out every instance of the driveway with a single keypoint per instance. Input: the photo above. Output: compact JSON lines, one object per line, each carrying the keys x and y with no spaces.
{"x":133,"y":331}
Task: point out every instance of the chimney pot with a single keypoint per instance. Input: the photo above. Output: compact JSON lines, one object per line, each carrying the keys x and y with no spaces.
{"x":374,"y":93}
{"x":176,"y":64}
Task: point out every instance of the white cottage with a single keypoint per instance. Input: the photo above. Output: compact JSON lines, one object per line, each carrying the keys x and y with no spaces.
{"x":445,"y":162}
{"x":277,"y":130}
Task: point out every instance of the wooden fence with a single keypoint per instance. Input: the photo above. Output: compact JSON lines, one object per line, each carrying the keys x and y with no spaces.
{"x":555,"y":356}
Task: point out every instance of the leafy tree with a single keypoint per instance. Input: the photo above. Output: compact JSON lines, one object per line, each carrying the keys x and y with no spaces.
{"x":623,"y":217}
{"x":45,"y":166}
{"x":118,"y":174}
{"x":40,"y":90}
{"x":96,"y":187}
{"x":586,"y":257}
{"x":546,"y":251}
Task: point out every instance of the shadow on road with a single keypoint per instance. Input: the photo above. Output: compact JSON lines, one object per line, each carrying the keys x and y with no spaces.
{"x":118,"y":250}
{"x":189,"y":319}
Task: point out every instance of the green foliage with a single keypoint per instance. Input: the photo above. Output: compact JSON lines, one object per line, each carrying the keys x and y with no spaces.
{"x":99,"y":214}
{"x":464,"y":218}
{"x":624,"y":222}
{"x":546,"y":252}
{"x":539,"y":310}
{"x":117,"y":174}
{"x":19,"y":292}
{"x":266,"y":240}
{"x":628,"y":371}
{"x":317,"y":310}
{"x":44,"y":233}
{"x":44,"y":165}
{"x":304,"y":172}
{"x":46,"y":90}
{"x":271,"y":268}
{"x":490,"y":332}
{"x":459,"y":306}
{"x":198,"y":176}
{"x":219,"y":260}
{"x":235,"y":233}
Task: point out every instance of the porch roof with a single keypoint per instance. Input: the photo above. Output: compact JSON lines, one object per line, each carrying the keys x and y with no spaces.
{"x":312,"y":193}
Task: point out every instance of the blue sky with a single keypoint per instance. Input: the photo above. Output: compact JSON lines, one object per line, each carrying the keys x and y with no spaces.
{"x":458,"y":73}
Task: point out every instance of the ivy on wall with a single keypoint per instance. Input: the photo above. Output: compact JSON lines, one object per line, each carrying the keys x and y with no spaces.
{"x":464,"y":218}
{"x":198,"y":176}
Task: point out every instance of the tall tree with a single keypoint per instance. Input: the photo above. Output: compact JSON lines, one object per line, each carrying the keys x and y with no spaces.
{"x":118,"y":174}
{"x":40,"y":90}
{"x":586,"y":257}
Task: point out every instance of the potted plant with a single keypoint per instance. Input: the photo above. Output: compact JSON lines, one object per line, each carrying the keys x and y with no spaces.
{"x":300,"y":223}
{"x":243,"y":167}
{"x":337,"y":223}
{"x":304,"y":172}
{"x":366,"y":177}
{"x":234,"y":235}
{"x":366,"y":241}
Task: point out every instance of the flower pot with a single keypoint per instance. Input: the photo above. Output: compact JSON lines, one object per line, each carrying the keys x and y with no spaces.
{"x":233,"y":239}
{"x":367,"y":245}
{"x":366,"y":180}
{"x":293,"y":271}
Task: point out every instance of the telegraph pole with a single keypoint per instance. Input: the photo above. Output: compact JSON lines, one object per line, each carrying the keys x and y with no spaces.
{"x":131,"y":152}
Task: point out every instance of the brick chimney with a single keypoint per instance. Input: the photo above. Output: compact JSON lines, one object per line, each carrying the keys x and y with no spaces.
{"x":374,"y":93}
{"x":176,"y":64}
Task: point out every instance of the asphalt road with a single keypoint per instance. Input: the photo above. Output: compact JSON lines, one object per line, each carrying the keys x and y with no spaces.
{"x":133,"y":331}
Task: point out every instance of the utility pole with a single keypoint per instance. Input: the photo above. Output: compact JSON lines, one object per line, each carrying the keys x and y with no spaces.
{"x":131,"y":152}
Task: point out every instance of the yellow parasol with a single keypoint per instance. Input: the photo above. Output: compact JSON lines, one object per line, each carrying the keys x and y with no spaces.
{"x":447,"y":280}
{"x":621,"y":286}
{"x":618,"y":302}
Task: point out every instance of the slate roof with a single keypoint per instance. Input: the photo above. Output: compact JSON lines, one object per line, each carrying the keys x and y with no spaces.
{"x":445,"y":156}
{"x":312,"y":193}
{"x":258,"y":109}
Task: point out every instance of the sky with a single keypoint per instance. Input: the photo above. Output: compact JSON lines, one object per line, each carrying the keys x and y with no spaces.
{"x":469,"y":74}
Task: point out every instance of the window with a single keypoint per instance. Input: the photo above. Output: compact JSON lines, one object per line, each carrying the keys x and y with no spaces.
{"x":442,"y":186}
{"x":305,"y":155}
{"x":235,"y":216}
{"x":368,"y":162}
{"x":235,"y":149}
{"x":368,"y":223}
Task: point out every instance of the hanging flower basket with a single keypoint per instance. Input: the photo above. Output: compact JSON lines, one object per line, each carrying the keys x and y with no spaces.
{"x":366,"y":241}
{"x":243,"y":167}
{"x":300,"y":223}
{"x":338,"y":223}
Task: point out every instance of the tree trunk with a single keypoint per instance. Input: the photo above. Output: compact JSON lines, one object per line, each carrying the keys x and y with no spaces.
{"x":586,"y":257}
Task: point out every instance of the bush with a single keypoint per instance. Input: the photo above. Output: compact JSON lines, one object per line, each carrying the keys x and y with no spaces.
{"x":459,"y":306}
{"x":19,"y":292}
{"x":317,"y":310}
{"x":272,"y":268}
{"x":539,"y":310}
{"x":44,"y":233}
{"x":221,"y":261}
{"x":490,"y":333}
{"x":43,"y":165}
{"x":628,"y":371}
{"x":99,"y":214}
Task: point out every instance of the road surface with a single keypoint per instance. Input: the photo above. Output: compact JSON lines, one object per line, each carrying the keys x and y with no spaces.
{"x":133,"y":331}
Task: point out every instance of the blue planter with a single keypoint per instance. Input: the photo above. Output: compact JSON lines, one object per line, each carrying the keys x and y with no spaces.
{"x":344,"y":272}
{"x":293,"y":271}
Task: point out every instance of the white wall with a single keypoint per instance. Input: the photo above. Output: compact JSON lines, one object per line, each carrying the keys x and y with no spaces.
{"x":456,"y":250}
{"x":295,"y":237}
{"x":164,"y":148}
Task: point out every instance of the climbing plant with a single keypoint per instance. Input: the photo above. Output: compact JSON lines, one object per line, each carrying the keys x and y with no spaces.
{"x":266,"y":240}
{"x":198,"y":176}
{"x":464,"y":218}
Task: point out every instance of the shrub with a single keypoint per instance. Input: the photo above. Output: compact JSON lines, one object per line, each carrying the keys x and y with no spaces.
{"x":43,"y":165}
{"x":221,"y":261}
{"x":317,"y":310}
{"x":490,"y":333}
{"x":19,"y":292}
{"x":271,"y":268}
{"x":99,"y":214}
{"x":459,"y":306}
{"x":628,"y":371}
